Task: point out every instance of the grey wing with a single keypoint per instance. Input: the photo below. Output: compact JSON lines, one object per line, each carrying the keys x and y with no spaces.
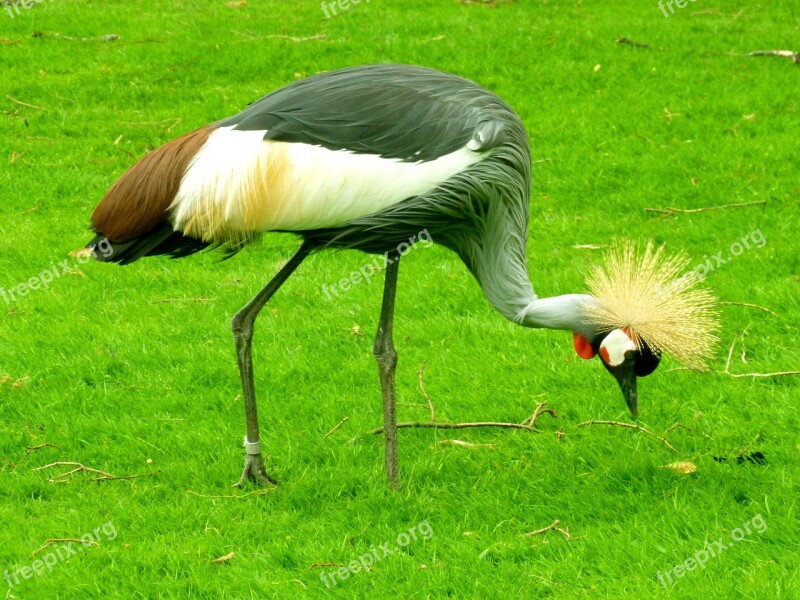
{"x":395,"y":111}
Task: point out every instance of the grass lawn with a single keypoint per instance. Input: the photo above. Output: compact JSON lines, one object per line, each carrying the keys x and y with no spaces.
{"x":131,"y":370}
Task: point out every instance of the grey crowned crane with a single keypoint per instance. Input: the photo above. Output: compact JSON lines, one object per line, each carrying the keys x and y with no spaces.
{"x":365,"y":158}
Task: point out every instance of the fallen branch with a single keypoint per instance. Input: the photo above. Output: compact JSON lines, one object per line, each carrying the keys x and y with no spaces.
{"x":669,"y":211}
{"x":104,"y":476}
{"x":540,"y":410}
{"x":778,"y":374}
{"x":630,"y":426}
{"x":336,"y":427}
{"x":411,"y":424}
{"x":554,"y":526}
{"x":52,"y":541}
{"x":738,"y":375}
{"x":794,"y":56}
{"x":253,"y":493}
{"x":527,"y":424}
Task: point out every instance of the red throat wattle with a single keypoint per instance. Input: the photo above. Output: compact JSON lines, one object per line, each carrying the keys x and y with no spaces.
{"x":582,"y":346}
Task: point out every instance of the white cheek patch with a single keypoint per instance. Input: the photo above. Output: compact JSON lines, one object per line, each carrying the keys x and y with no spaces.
{"x":614,"y":347}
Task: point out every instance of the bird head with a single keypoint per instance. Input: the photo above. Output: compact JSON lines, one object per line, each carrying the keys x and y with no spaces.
{"x":647,"y":304}
{"x":621,"y":357}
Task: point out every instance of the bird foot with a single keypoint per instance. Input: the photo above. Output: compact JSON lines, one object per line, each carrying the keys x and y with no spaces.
{"x":255,"y":471}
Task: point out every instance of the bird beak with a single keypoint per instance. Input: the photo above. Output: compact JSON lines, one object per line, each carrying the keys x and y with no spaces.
{"x":626,"y":377}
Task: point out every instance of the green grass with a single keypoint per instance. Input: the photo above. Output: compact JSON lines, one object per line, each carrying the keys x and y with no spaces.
{"x":101,"y":365}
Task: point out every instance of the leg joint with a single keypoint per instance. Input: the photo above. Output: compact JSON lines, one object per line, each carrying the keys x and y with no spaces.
{"x":385,"y":353}
{"x":241,"y":325}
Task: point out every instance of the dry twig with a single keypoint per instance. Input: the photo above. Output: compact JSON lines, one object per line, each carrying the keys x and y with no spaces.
{"x":554,"y":526}
{"x":225,"y":558}
{"x":303,"y":585}
{"x":464,"y":444}
{"x":104,"y":476}
{"x":527,"y":424}
{"x":777,"y":374}
{"x":730,"y":355}
{"x":319,"y":565}
{"x":677,"y":426}
{"x":744,"y":345}
{"x":52,"y":541}
{"x":540,"y":410}
{"x":175,"y":122}
{"x":21,"y":103}
{"x":299,"y":39}
{"x":253,"y":493}
{"x":486,"y":3}
{"x":411,"y":424}
{"x":39,"y":447}
{"x":630,"y":426}
{"x":171,"y":300}
{"x":424,"y":393}
{"x":794,"y":56}
{"x":669,"y":211}
{"x":740,"y":375}
{"x":109,"y":37}
{"x":748,"y":305}
{"x":336,"y":428}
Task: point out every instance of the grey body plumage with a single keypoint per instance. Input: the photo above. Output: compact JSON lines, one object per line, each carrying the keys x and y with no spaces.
{"x":395,"y":111}
{"x":408,"y":114}
{"x":417,"y":114}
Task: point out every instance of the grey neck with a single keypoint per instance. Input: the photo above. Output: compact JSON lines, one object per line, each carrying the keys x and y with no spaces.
{"x":503,"y":276}
{"x":559,"y":312}
{"x":497,"y":258}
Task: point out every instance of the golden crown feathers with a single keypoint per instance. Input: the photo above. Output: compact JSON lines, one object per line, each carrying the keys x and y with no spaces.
{"x":657,"y":301}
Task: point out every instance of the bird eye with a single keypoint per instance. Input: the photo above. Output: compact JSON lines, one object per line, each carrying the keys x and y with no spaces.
{"x":629,"y":355}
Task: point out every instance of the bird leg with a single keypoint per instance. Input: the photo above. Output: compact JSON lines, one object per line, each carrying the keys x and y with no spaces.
{"x":242,"y":326}
{"x":384,"y":353}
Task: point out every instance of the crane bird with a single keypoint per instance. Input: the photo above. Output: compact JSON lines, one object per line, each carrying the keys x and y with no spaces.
{"x":365,"y":158}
